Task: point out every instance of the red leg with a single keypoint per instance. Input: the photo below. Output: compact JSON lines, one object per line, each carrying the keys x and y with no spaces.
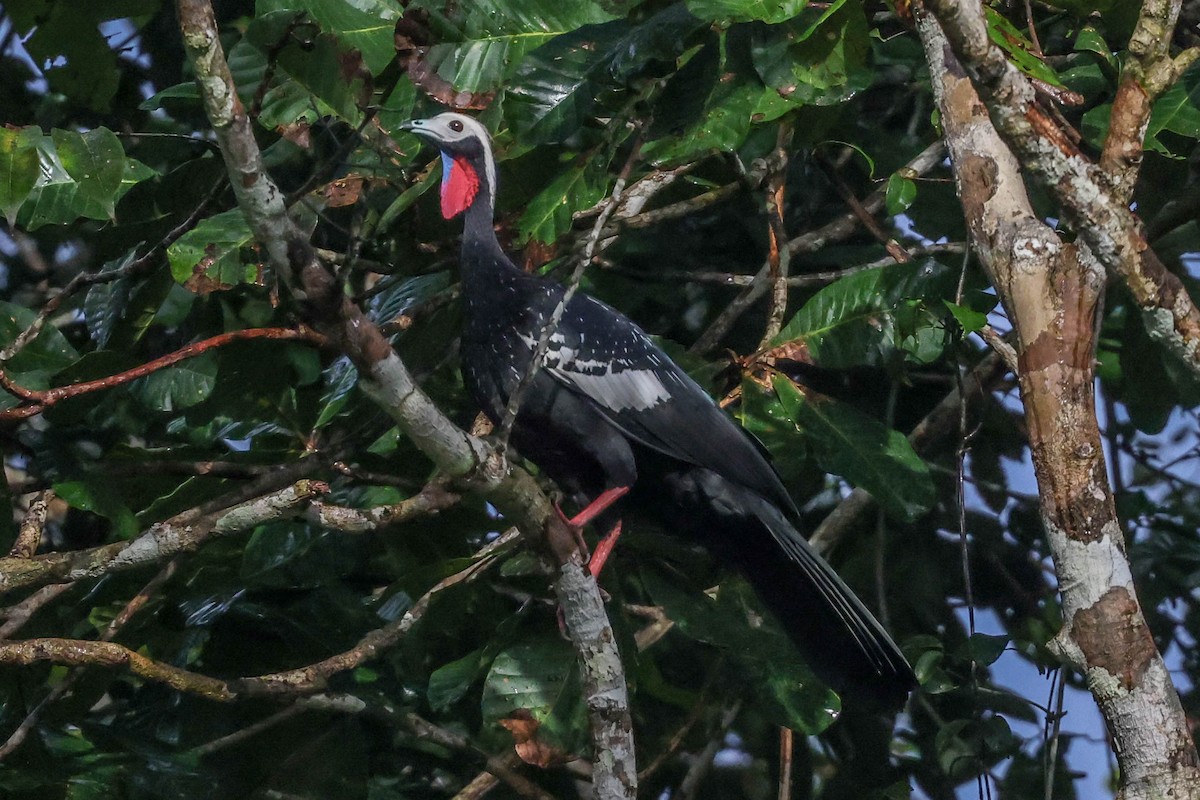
{"x":603,"y":549}
{"x":597,"y":506}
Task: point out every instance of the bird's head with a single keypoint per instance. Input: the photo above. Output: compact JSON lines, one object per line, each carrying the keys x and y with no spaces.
{"x":468,"y":169}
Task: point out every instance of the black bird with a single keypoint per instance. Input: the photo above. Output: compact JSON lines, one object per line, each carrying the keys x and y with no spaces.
{"x":609,"y":412}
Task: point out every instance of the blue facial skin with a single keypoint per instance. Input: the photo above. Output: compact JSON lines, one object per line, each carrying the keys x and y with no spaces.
{"x":447,"y":166}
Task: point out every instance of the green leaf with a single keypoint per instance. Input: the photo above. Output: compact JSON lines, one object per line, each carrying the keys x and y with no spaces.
{"x":861,"y":450}
{"x":247,"y":65}
{"x":178,"y":387}
{"x":450,"y":682}
{"x":1019,"y":49}
{"x":969,"y":319}
{"x":726,"y":11}
{"x":900,"y":193}
{"x":722,"y":128}
{"x":1177,"y":111}
{"x":821,"y":70}
{"x":538,"y":677}
{"x":364,"y":25}
{"x":18,"y":168}
{"x":1089,"y":40}
{"x":764,"y":416}
{"x":331,"y":73}
{"x":95,"y":160}
{"x":208,"y":257}
{"x":98,"y":496}
{"x":853,"y":322}
{"x":559,"y":85}
{"x":493,"y":36}
{"x":985,"y":649}
{"x":550,"y":212}
{"x":48,"y":353}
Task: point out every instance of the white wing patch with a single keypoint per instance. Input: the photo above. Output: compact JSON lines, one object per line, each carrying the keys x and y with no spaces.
{"x":615,"y":385}
{"x":636,"y":389}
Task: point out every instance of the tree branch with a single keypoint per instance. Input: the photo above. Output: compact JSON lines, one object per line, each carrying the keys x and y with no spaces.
{"x":1112,"y":233}
{"x":1051,"y":291}
{"x":35,"y":401}
{"x":810,"y":242}
{"x":180,"y":534}
{"x":384,"y":378}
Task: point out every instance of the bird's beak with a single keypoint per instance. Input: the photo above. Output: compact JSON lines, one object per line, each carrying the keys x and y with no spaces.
{"x":416,"y":126}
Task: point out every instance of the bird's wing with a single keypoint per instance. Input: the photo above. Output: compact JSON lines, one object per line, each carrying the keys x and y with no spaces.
{"x":601,"y":354}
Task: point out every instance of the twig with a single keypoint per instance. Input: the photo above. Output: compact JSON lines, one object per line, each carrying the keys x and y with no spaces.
{"x":690,"y":722}
{"x":60,"y":689}
{"x":810,"y":242}
{"x":786,"y":750}
{"x":865,"y":216}
{"x":248,"y":732}
{"x":33,"y":526}
{"x":430,"y":500}
{"x":1051,"y":732}
{"x":704,"y":761}
{"x":183,"y":533}
{"x":40,"y":400}
{"x":497,"y":766}
{"x":778,"y":256}
{"x":1000,"y":345}
{"x":17,"y":615}
{"x":820,"y":278}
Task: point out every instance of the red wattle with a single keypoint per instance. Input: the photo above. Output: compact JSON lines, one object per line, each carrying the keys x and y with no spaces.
{"x":459,"y":187}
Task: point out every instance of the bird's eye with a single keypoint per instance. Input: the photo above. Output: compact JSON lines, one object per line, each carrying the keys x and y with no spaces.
{"x":456,"y":126}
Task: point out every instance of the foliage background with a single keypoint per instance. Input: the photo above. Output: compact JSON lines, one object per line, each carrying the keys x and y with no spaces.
{"x":105,"y":153}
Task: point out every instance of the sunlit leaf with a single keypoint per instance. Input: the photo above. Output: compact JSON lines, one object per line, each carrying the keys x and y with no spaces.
{"x":18,"y":168}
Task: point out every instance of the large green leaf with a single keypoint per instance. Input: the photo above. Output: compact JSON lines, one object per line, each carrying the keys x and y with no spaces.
{"x":822,"y":69}
{"x":18,"y":168}
{"x":746,"y":10}
{"x":560,"y":85}
{"x":95,"y":160}
{"x":364,"y":25}
{"x":1177,"y":111}
{"x":97,"y":495}
{"x":181,"y":386}
{"x":208,"y":257}
{"x":765,"y":659}
{"x":247,"y":65}
{"x":853,"y":322}
{"x":323,"y":65}
{"x":848,"y":443}
{"x":548,"y":215}
{"x":1019,"y":49}
{"x":490,"y":37}
{"x":48,"y":352}
{"x":539,"y":677}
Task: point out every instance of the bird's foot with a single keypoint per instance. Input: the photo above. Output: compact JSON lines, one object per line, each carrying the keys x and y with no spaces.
{"x":595,"y":508}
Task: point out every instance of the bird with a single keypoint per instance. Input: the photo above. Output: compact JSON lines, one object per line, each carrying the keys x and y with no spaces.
{"x":621,"y":428}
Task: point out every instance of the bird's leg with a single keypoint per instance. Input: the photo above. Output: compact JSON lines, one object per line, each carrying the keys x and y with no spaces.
{"x":603,"y":549}
{"x":594,"y":509}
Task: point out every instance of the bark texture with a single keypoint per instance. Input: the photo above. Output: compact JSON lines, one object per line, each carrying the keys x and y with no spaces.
{"x":386,"y":379}
{"x":1051,"y":290}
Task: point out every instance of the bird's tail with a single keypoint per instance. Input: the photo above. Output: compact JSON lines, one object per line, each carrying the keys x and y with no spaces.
{"x":839,"y":638}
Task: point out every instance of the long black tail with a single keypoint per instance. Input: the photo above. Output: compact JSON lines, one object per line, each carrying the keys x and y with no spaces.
{"x":839,"y":638}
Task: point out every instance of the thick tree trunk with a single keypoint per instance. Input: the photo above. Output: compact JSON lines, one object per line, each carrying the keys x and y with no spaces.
{"x":1051,"y":290}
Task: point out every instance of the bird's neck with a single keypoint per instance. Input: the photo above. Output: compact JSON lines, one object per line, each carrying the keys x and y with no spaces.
{"x":483,"y":260}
